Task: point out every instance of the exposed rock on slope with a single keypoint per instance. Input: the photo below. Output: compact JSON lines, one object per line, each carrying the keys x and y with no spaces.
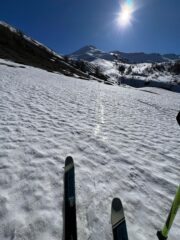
{"x":16,"y":46}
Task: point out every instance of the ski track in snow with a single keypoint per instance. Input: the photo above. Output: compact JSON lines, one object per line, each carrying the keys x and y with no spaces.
{"x":125,"y":143}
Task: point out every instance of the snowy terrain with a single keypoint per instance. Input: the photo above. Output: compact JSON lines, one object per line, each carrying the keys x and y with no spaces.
{"x":148,"y":69}
{"x":145,"y":72}
{"x":125,"y":143}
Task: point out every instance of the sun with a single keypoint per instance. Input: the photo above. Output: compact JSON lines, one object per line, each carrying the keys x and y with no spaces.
{"x":125,"y":15}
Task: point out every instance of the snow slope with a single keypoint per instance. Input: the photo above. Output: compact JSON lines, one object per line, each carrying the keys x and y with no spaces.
{"x":125,"y":143}
{"x":144,"y":72}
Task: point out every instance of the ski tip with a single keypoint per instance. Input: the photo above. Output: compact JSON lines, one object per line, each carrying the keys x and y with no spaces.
{"x":178,"y":118}
{"x":69,"y":160}
{"x":117,"y":212}
{"x":69,"y":164}
{"x":117,"y":204}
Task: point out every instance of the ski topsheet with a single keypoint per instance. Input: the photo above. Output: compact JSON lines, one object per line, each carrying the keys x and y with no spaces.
{"x":118,"y":220}
{"x":70,"y":228}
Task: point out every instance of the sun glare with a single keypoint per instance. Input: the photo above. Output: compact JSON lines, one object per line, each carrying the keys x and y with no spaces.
{"x":125,"y":15}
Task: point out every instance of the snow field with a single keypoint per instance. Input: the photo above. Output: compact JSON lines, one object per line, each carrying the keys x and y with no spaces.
{"x":124,"y":141}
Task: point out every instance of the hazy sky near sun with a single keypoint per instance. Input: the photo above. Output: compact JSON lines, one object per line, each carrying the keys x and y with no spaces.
{"x":67,"y":25}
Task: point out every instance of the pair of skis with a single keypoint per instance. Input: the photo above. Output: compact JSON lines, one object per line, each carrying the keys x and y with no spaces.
{"x":117,"y":213}
{"x":70,"y":225}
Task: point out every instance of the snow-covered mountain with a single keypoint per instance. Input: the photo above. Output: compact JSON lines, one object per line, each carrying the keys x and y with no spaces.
{"x":17,"y":47}
{"x":156,"y":70}
{"x":142,"y":57}
{"x":91,"y":53}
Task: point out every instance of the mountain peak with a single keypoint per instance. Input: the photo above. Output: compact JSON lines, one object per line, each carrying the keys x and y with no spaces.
{"x":90,"y":47}
{"x":90,"y":53}
{"x":87,"y":48}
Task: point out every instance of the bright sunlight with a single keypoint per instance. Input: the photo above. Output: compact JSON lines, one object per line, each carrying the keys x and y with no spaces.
{"x":125,"y":15}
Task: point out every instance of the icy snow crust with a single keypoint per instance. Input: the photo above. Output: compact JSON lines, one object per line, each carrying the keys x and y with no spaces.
{"x":125,"y":143}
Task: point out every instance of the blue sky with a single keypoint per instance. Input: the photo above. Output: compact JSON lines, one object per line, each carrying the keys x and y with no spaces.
{"x":67,"y":25}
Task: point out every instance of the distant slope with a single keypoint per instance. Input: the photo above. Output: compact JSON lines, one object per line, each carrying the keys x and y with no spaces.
{"x":142,"y":57}
{"x":17,"y":47}
{"x":91,"y":53}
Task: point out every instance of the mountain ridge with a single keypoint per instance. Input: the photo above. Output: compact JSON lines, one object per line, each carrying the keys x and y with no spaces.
{"x":91,"y":53}
{"x":18,"y":47}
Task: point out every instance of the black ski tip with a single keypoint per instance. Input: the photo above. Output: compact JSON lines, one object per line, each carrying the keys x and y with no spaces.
{"x":69,"y":160}
{"x":117,"y":204}
{"x":178,"y":118}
